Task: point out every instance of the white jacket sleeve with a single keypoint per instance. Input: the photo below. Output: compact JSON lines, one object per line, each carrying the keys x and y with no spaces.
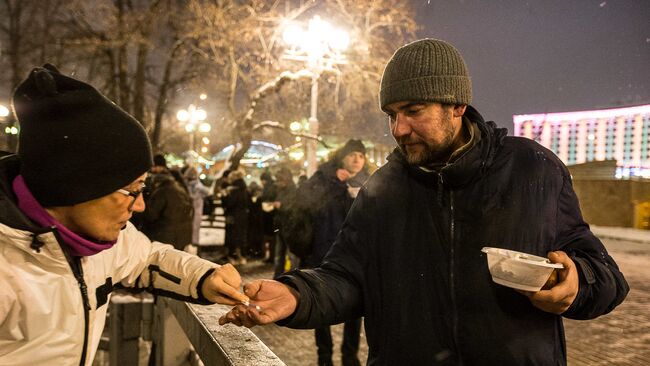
{"x":159,"y":267}
{"x":10,"y":306}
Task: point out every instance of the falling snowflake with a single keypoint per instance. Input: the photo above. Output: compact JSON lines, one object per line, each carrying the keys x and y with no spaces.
{"x":603,"y":4}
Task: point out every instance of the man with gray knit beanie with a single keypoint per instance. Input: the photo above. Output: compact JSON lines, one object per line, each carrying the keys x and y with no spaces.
{"x":409,"y":257}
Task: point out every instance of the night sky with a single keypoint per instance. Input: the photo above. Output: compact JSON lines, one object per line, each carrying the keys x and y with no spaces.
{"x":542,"y":56}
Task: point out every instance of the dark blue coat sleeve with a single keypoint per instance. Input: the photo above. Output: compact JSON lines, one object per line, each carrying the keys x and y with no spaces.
{"x":602,"y":285}
{"x":333,"y":292}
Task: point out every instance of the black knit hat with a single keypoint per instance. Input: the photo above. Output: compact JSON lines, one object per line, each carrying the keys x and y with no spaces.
{"x":75,"y":145}
{"x":352,"y":146}
{"x":159,"y":160}
{"x":428,"y":70}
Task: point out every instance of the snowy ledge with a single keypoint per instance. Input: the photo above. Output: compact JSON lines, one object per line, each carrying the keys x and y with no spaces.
{"x":219,"y":344}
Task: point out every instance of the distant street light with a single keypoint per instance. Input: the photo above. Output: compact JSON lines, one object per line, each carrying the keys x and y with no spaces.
{"x":205,"y":127}
{"x":11,"y":130}
{"x":192,"y":116}
{"x":321,"y":47}
{"x":295,"y":126}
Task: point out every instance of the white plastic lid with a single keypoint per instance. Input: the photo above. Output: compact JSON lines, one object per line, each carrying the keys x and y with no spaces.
{"x":522,"y":257}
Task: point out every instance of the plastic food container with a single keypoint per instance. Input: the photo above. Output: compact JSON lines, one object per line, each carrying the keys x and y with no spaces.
{"x":519,"y":270}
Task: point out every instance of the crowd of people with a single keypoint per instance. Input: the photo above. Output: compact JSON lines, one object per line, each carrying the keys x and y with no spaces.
{"x":286,"y":224}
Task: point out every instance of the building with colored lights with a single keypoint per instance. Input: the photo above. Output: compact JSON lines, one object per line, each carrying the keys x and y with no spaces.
{"x":620,"y":134}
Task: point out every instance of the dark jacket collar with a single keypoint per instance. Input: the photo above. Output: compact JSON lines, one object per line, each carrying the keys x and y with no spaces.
{"x":10,"y":214}
{"x":471,"y":165}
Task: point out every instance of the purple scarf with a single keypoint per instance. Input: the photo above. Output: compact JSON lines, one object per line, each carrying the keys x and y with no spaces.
{"x":78,"y":246}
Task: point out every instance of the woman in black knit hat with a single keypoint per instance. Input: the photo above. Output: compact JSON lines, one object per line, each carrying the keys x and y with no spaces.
{"x":65,"y":235}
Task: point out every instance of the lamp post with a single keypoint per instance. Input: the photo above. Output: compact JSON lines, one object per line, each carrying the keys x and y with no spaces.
{"x":193,"y":117}
{"x":320,"y":46}
{"x":205,"y":128}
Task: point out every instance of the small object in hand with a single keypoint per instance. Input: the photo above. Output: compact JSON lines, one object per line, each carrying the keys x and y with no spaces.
{"x":552,"y":280}
{"x":249,"y":305}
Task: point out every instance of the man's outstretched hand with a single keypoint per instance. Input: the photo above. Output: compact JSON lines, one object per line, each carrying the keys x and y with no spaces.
{"x":270,"y":301}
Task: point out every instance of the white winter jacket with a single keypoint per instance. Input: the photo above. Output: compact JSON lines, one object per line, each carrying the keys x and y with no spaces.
{"x":43,"y":320}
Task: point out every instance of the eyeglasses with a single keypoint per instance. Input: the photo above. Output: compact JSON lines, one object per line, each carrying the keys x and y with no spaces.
{"x":135,"y":194}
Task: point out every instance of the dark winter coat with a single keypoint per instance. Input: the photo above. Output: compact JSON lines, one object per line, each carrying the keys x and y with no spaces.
{"x":285,"y":195}
{"x":255,"y":227}
{"x":168,"y":214}
{"x":409,"y":259}
{"x":327,"y":201}
{"x":269,"y":194}
{"x":235,"y":205}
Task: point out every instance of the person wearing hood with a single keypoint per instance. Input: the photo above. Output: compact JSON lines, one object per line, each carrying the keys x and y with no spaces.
{"x":328,"y":195}
{"x":65,"y":236}
{"x":409,"y":258}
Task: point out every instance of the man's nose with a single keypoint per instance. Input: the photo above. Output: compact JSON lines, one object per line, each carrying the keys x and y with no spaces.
{"x":401,"y":126}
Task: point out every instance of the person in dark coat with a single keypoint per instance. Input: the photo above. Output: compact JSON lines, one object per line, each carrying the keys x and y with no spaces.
{"x":269,"y":195}
{"x":169,"y":210}
{"x":235,"y":201}
{"x":327,"y":196}
{"x":285,"y":190}
{"x":255,"y":222}
{"x":409,"y":258}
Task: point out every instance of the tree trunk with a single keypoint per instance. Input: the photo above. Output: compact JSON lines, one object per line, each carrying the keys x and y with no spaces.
{"x":139,"y":85}
{"x":163,"y":98}
{"x":122,"y":60}
{"x":112,"y":88}
{"x":239,"y":154}
{"x":15,"y":42}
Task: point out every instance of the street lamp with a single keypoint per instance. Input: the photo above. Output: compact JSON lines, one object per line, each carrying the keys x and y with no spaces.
{"x":4,"y":111}
{"x":320,"y":46}
{"x":192,"y":117}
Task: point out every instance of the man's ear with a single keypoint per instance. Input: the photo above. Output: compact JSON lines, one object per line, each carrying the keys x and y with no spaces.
{"x":459,"y":110}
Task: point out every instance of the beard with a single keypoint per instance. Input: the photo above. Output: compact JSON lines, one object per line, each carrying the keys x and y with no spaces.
{"x":429,"y":153}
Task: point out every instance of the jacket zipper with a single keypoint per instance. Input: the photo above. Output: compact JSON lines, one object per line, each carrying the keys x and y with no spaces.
{"x":452,"y":280}
{"x":440,"y":189}
{"x":77,"y":271}
{"x":84,"y":294}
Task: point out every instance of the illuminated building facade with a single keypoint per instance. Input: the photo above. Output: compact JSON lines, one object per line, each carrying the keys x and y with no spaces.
{"x":621,"y":134}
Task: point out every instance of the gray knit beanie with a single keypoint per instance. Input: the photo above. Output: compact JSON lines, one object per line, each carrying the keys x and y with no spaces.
{"x":428,"y":70}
